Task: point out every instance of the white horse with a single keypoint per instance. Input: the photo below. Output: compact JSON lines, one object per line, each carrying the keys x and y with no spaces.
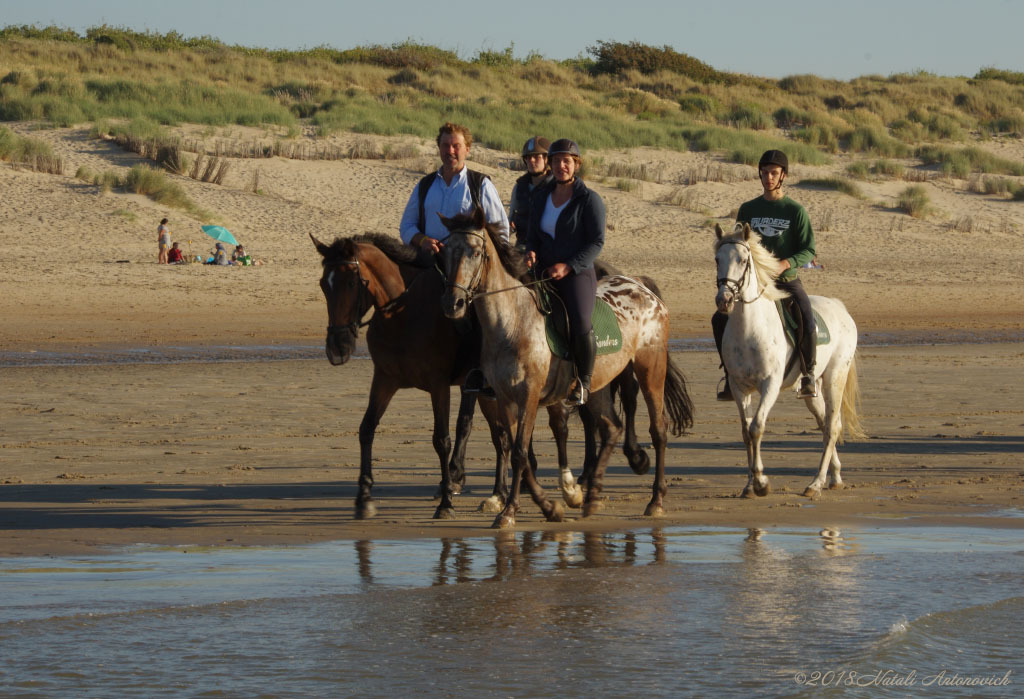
{"x":756,"y":355}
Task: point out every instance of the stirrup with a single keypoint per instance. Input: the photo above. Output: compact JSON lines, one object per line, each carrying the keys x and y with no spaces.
{"x":578,"y":395}
{"x":476,"y":383}
{"x":725,"y":394}
{"x":808,"y":388}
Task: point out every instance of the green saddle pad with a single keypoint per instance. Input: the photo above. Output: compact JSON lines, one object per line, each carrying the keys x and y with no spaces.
{"x":606,"y":330}
{"x":790,"y":325}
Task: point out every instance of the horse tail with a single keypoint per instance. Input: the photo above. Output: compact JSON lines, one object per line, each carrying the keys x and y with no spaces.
{"x":850,"y":409}
{"x":677,"y":398}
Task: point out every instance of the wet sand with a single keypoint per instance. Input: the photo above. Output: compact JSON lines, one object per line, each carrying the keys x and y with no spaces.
{"x":258,"y":452}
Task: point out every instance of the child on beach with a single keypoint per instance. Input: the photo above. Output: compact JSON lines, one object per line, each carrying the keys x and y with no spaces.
{"x":174,"y":256}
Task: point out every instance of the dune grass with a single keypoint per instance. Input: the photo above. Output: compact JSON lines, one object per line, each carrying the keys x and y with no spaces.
{"x":839,"y":184}
{"x":620,"y":96}
{"x":913,"y":201}
{"x":30,"y":153}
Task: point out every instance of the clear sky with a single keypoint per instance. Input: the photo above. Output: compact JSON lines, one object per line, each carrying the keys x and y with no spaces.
{"x":768,"y":38}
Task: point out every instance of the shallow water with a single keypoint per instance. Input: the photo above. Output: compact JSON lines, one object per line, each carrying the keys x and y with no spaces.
{"x":659,"y":612}
{"x":177,"y":354}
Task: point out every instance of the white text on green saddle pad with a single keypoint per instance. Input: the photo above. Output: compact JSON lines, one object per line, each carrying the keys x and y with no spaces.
{"x":606,"y":330}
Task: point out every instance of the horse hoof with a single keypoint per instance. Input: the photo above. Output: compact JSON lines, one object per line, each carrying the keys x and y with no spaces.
{"x":573,"y":498}
{"x":654,"y":511}
{"x":557,"y":513}
{"x":444,"y":513}
{"x":504,"y":521}
{"x":810,"y":492}
{"x":491,"y":506}
{"x":763,"y":490}
{"x":457,"y":488}
{"x":835,"y":486}
{"x":592,"y":508}
{"x":366,"y":510}
{"x":747,"y":493}
{"x":641,"y":463}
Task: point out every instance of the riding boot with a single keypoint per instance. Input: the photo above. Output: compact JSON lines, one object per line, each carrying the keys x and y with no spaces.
{"x":718,"y":323}
{"x":476,"y":382}
{"x":584,"y":353}
{"x":808,"y":355}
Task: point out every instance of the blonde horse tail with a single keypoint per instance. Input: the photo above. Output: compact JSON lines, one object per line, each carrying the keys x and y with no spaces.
{"x":850,"y":410}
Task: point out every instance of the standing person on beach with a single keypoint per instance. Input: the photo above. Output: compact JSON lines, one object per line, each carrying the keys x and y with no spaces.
{"x":565,"y":236}
{"x":454,"y":189}
{"x":538,"y":174}
{"x":785,"y":230}
{"x":163,"y":239}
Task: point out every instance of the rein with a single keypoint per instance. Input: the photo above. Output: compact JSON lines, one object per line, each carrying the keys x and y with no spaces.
{"x":471,"y":292}
{"x":361,"y":309}
{"x":736,"y":285}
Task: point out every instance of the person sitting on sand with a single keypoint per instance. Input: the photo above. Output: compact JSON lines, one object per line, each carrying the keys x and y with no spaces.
{"x":174,"y":256}
{"x":239,"y":256}
{"x":220,"y":256}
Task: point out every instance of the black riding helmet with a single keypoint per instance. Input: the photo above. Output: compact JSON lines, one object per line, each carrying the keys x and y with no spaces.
{"x":538,"y":145}
{"x":564,"y":145}
{"x":774,"y":157}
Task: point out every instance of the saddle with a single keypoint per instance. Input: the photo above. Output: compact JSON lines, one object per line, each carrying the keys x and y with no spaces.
{"x":792,"y":326}
{"x":556,"y":325}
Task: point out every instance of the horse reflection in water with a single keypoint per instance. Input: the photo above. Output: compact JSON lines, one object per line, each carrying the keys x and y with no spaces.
{"x":520,"y":556}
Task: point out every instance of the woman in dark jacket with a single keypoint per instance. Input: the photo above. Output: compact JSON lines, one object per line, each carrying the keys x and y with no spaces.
{"x":565,"y":236}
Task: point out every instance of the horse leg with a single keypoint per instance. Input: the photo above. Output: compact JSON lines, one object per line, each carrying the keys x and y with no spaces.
{"x":609,"y":427}
{"x":652,"y":382}
{"x":440,"y":400}
{"x":380,"y":396}
{"x":829,"y":405}
{"x":502,"y":444}
{"x":758,"y":482}
{"x":628,"y":388}
{"x":587,"y":417}
{"x":463,"y":428}
{"x":558,"y":421}
{"x":553,"y":512}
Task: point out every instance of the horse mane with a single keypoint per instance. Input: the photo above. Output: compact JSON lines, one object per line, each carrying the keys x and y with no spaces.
{"x":392,"y":247}
{"x":513,"y":262}
{"x":763,"y":262}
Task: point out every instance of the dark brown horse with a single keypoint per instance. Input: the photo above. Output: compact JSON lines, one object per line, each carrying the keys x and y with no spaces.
{"x":413,"y":345}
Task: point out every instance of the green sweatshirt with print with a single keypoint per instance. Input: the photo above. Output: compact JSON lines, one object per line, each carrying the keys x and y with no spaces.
{"x":785,"y":230}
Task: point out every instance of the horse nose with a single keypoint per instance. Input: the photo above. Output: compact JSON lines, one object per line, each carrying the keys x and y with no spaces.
{"x":723,"y":300}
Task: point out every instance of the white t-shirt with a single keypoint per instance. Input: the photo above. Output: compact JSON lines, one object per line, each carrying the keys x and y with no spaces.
{"x":550,"y":217}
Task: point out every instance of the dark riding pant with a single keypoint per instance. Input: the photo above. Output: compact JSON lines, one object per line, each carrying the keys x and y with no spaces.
{"x":579,"y":294}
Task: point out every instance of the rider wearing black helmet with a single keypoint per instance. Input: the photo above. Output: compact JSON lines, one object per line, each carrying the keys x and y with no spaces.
{"x":785,"y":231}
{"x":565,"y":236}
{"x":535,"y":156}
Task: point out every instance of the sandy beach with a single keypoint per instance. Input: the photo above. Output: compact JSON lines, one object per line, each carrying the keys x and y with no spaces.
{"x":100,"y":453}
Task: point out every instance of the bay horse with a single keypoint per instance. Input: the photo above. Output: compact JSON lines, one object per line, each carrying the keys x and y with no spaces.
{"x":413,"y":345}
{"x":482,"y":270}
{"x":759,"y":360}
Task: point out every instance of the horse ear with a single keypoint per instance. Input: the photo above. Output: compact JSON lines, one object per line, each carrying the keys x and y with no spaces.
{"x":718,"y":231}
{"x":445,"y":221}
{"x":746,"y":231}
{"x":479,"y":220}
{"x":321,"y":248}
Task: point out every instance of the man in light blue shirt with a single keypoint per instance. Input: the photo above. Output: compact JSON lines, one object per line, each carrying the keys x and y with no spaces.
{"x":454,"y":189}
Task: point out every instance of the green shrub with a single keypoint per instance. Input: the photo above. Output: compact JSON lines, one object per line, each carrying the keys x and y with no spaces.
{"x":913,"y":201}
{"x":866,"y":139}
{"x":888,"y":168}
{"x":860,"y":169}
{"x":836,"y":183}
{"x":155,"y":185}
{"x":616,"y":58}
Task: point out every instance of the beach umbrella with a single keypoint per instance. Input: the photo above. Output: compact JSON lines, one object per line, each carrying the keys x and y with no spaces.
{"x":220,"y":233}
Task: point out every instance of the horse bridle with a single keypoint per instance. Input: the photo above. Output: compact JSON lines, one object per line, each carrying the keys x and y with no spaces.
{"x":736,"y":285}
{"x":470,"y":291}
{"x":361,"y":306}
